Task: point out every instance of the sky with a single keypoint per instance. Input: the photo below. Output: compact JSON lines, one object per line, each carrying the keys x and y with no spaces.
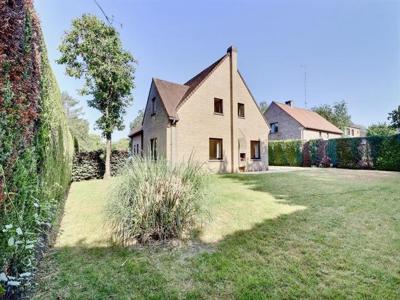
{"x":350,"y":49}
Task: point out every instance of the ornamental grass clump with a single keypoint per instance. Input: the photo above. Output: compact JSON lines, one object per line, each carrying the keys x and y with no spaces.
{"x":156,"y":200}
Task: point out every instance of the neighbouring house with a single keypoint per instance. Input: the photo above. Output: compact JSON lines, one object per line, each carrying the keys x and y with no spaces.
{"x":355,"y":130}
{"x":212,"y":118}
{"x":288,"y":123}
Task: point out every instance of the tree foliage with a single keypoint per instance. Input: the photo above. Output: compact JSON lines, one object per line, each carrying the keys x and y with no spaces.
{"x":79,"y":126}
{"x":121,"y":144}
{"x":92,"y":50}
{"x":380,"y":129}
{"x":337,"y":113}
{"x":394,"y":118}
{"x":138,"y":120}
{"x":263,"y":106}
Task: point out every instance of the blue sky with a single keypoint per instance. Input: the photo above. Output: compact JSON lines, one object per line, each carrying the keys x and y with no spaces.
{"x":351,"y":48}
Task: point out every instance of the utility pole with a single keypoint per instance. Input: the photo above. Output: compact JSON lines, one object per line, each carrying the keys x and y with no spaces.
{"x":305,"y":84}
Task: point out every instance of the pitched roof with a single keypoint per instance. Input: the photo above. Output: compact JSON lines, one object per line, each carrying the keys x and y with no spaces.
{"x":170,"y":94}
{"x":309,"y":119}
{"x":173,"y":94}
{"x":135,"y":131}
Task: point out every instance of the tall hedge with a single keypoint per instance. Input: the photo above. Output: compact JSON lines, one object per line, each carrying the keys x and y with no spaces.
{"x":35,"y":143}
{"x":376,"y":152}
{"x":91,"y":165}
{"x":288,"y":153}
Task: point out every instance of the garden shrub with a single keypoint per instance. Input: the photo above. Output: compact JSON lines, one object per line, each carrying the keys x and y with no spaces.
{"x":156,"y":200}
{"x":35,"y":143}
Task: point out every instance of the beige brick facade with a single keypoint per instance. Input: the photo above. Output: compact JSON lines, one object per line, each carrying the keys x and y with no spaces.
{"x":189,"y":135}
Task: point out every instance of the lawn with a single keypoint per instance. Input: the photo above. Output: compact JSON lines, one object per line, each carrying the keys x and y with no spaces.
{"x":320,"y":233}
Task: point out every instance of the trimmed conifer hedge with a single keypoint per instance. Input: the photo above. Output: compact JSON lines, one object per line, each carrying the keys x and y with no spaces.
{"x":35,"y":144}
{"x":376,"y":152}
{"x":91,"y":165}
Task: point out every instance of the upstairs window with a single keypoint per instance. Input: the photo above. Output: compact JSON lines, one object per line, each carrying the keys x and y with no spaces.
{"x":215,"y":149}
{"x":274,"y":127}
{"x":153,"y":106}
{"x":255,"y":149}
{"x":240,"y":110}
{"x":153,"y":148}
{"x":218,"y":107}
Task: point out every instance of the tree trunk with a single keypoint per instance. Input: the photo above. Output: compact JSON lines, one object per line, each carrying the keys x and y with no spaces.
{"x":107,"y":173}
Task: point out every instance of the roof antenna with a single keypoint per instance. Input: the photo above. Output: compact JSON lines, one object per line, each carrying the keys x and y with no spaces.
{"x":305,"y":84}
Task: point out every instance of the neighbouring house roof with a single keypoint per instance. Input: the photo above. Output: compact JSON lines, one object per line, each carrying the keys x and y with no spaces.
{"x":309,"y":119}
{"x":135,"y":131}
{"x":173,"y":94}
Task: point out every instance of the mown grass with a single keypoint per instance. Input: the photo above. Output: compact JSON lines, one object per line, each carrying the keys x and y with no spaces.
{"x":323,"y":233}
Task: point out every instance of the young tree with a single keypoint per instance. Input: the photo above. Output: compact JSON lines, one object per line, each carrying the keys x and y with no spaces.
{"x":138,"y":120}
{"x":337,"y":114}
{"x":380,"y":129}
{"x":394,"y":118}
{"x":92,"y":50}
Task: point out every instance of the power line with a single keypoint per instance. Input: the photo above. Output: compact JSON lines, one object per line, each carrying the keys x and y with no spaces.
{"x":103,"y":12}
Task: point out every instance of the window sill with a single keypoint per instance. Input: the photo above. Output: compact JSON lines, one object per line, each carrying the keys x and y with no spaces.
{"x":153,"y":114}
{"x":218,"y":114}
{"x":215,"y":160}
{"x":255,"y":158}
{"x":241,"y":117}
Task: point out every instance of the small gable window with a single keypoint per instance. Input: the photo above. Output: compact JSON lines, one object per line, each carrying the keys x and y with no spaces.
{"x":240,"y":110}
{"x":215,"y":149}
{"x":218,"y":106}
{"x":255,"y":149}
{"x":274,"y":127}
{"x":153,"y":106}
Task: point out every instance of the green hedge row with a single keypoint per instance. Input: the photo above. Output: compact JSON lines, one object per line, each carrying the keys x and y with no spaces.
{"x":90,"y":164}
{"x":35,"y":144}
{"x":376,"y":152}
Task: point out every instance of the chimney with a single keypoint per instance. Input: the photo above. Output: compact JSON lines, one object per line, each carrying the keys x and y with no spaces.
{"x":289,"y":103}
{"x":232,"y":51}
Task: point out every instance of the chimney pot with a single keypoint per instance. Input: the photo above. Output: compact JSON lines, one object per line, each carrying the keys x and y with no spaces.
{"x":231,"y":49}
{"x":289,"y":103}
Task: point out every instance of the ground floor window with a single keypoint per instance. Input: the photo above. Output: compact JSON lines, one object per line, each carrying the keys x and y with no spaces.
{"x":215,"y":148}
{"x":153,"y":148}
{"x":255,"y":149}
{"x":136,"y":149}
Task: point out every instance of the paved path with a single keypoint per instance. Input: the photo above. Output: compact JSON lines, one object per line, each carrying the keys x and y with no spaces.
{"x":280,"y":169}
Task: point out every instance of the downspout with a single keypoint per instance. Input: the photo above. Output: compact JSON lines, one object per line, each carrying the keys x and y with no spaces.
{"x":231,"y":108}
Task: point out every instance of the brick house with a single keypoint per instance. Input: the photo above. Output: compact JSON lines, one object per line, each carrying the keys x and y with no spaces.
{"x":354,"y":130}
{"x":289,"y":123}
{"x":213,"y":118}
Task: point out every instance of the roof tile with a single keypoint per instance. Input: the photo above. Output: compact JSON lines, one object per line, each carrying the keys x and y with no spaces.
{"x":309,"y":119}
